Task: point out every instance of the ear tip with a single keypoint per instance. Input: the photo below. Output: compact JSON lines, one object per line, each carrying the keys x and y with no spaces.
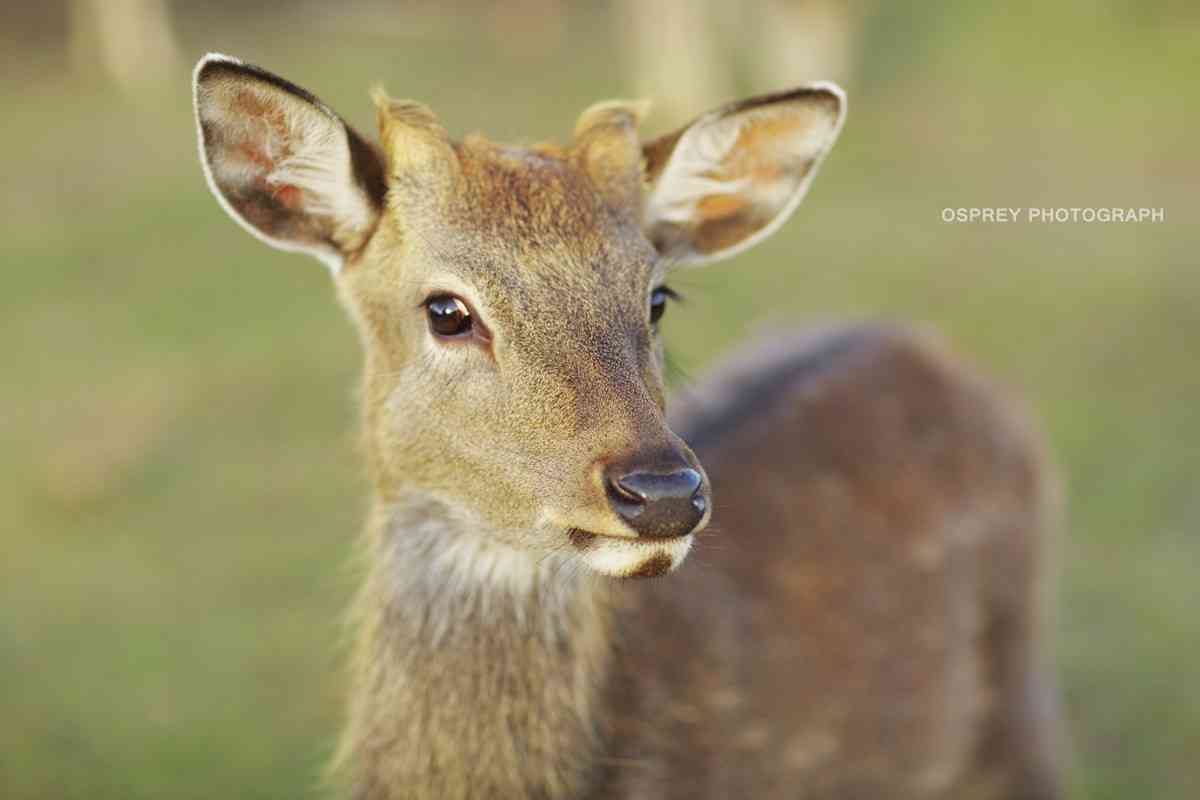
{"x":828,"y":86}
{"x":380,"y":97}
{"x":213,"y":65}
{"x":210,"y":61}
{"x":827,"y":89}
{"x":833,"y":90}
{"x":213,"y":55}
{"x":628,"y":112}
{"x":833,"y":94}
{"x":810,"y":95}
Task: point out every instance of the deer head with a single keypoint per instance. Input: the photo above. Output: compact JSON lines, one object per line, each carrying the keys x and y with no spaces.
{"x":509,"y":299}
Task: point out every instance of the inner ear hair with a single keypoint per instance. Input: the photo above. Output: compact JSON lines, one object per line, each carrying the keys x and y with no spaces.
{"x":283,"y":164}
{"x":730,"y":178}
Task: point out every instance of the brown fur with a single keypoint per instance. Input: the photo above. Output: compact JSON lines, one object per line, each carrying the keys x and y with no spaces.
{"x":861,"y":620}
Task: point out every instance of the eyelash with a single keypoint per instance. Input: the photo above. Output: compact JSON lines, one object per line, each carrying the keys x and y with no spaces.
{"x":657,"y":311}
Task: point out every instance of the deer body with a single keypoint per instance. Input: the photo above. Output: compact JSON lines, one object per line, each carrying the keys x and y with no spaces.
{"x":861,"y":620}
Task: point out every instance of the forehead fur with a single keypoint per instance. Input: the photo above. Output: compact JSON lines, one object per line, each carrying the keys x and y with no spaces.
{"x":549,"y":207}
{"x":530,"y":224}
{"x":561,"y":270}
{"x":539,"y":199}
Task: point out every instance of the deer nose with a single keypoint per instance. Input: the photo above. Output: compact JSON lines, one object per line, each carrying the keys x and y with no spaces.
{"x":658,"y":503}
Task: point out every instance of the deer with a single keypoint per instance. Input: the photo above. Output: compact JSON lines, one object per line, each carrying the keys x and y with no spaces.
{"x":866,"y":617}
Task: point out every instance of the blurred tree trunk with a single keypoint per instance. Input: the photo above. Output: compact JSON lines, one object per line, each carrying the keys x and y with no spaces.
{"x":689,"y":55}
{"x":130,"y":41}
{"x":672,"y":55}
{"x":801,"y":42}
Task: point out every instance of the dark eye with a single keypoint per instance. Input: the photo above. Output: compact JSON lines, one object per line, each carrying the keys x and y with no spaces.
{"x":448,"y":316}
{"x":658,"y":302}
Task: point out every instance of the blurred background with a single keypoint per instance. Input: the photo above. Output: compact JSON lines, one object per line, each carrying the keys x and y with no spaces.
{"x":179,"y":487}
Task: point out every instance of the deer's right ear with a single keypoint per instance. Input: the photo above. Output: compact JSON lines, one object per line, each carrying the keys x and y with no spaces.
{"x":282,"y":164}
{"x":732,"y":177}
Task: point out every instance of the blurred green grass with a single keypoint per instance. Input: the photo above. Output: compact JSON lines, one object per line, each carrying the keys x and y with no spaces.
{"x":181,"y":488}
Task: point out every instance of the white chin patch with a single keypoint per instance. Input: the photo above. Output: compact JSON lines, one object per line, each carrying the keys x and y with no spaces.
{"x":633,"y":558}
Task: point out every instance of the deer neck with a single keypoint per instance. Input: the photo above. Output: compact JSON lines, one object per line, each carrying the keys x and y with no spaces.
{"x":479,"y":667}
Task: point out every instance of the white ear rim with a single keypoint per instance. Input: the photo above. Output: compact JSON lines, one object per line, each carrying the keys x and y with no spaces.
{"x":658,"y":208}
{"x":328,"y":255}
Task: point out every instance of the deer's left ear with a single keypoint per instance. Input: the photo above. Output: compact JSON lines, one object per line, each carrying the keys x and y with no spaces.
{"x":283,"y":165}
{"x":730,"y":178}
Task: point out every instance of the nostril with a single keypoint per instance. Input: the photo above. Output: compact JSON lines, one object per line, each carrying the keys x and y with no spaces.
{"x":627,"y":489}
{"x":625,"y":500}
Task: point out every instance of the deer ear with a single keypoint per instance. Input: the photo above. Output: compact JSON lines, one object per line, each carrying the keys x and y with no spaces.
{"x":729,"y":179}
{"x":282,"y":164}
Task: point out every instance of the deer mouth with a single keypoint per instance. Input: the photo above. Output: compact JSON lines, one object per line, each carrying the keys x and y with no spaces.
{"x":623,"y":557}
{"x":582,"y":539}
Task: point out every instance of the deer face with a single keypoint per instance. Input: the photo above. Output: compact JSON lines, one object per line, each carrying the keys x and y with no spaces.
{"x":510,"y":299}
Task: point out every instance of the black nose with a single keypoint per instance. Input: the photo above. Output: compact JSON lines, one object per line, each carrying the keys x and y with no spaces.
{"x":658,"y":503}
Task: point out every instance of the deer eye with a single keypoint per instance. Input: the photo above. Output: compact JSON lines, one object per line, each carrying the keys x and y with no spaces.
{"x":448,"y":316}
{"x":658,"y":302}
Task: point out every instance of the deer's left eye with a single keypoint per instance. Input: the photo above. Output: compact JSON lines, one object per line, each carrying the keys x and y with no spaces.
{"x":449,"y":316}
{"x":658,"y":302}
